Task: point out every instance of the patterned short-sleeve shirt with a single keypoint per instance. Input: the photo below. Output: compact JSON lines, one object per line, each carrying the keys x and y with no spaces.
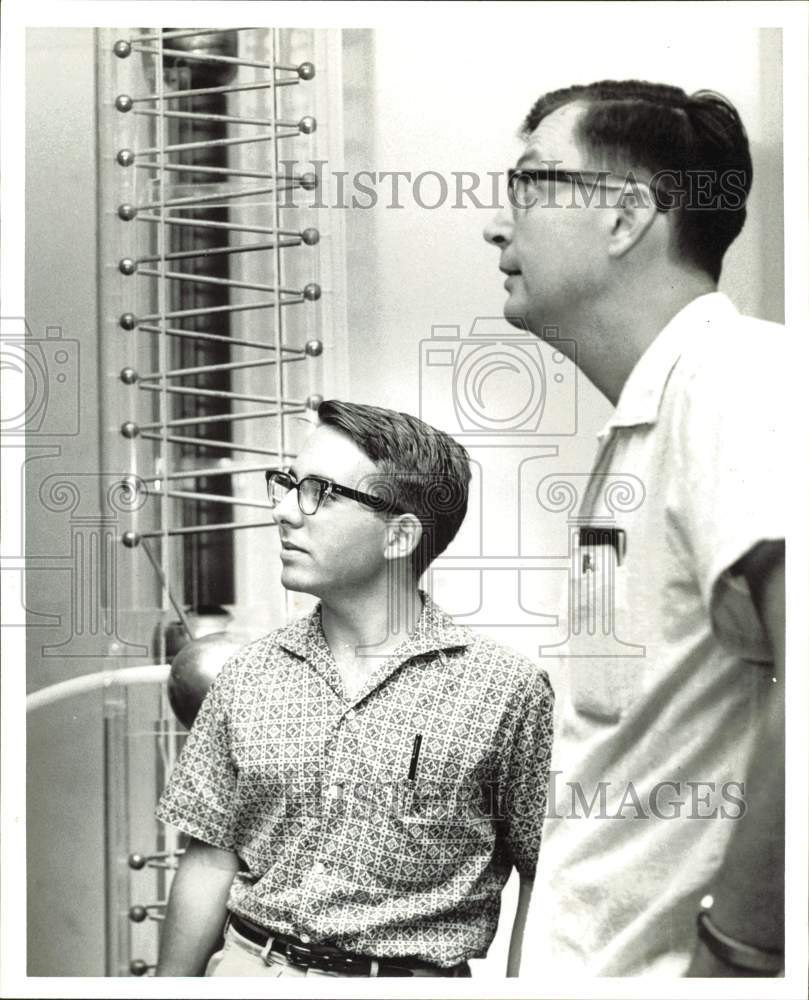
{"x":341,"y":837}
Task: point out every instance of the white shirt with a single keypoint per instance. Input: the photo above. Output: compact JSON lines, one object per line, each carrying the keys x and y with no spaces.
{"x":667,"y":657}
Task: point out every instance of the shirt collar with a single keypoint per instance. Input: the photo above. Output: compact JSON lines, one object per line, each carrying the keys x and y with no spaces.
{"x":639,"y":402}
{"x":435,"y":631}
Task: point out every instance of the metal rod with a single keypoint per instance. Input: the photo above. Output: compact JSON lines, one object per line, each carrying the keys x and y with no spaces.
{"x":197,"y":335}
{"x":210,"y":310}
{"x":228,"y":470}
{"x":103,"y":680}
{"x":216,"y":418}
{"x":191,"y":168}
{"x":172,"y":220}
{"x":116,"y":830}
{"x":209,"y":143}
{"x":278,"y":329}
{"x":198,"y":442}
{"x":194,"y":200}
{"x":224,"y":89}
{"x":200,"y":116}
{"x":218,"y":393}
{"x":204,"y":279}
{"x":200,"y":57}
{"x":183,"y":33}
{"x":163,"y":349}
{"x":197,"y":529}
{"x":167,"y":589}
{"x":210,"y":498}
{"x":213,"y":251}
{"x":225,"y":366}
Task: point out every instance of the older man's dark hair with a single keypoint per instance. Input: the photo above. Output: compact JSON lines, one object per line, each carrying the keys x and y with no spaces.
{"x":694,"y":146}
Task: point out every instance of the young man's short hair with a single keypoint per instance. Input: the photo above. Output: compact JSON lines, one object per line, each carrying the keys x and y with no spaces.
{"x":421,"y":470}
{"x":694,"y":146}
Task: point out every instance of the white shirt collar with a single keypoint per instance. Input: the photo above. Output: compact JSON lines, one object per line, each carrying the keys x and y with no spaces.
{"x":639,"y":402}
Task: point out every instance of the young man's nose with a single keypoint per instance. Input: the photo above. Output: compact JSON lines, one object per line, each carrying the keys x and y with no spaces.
{"x":498,"y":230}
{"x":288,"y":511}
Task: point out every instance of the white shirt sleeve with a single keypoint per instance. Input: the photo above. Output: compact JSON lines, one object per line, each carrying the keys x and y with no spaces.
{"x":731,"y":485}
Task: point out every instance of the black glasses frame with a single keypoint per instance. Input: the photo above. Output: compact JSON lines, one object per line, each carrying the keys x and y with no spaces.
{"x":327,"y":488}
{"x":537,"y":174}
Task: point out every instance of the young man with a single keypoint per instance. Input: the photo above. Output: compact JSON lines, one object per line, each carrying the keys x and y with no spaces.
{"x":358,"y":785}
{"x":623,"y":204}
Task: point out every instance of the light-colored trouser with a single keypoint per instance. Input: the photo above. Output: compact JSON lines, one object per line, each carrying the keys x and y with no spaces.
{"x":240,"y":957}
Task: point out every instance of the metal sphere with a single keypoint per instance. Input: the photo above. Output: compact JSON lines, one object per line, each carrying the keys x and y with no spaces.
{"x":306,"y":71}
{"x":125,"y":157}
{"x":126,"y":265}
{"x":127,"y":212}
{"x":127,"y":321}
{"x":130,"y":429}
{"x":307,"y":125}
{"x":136,"y":860}
{"x":137,"y":913}
{"x":193,"y":670}
{"x":122,"y":48}
{"x":308,"y":181}
{"x":138,"y":967}
{"x":131,"y":540}
{"x":129,"y":376}
{"x":313,"y":401}
{"x":310,"y":236}
{"x":311,"y":292}
{"x":314,"y":348}
{"x":123,"y":102}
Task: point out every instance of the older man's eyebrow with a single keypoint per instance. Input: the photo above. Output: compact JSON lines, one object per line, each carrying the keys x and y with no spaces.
{"x":530,"y":160}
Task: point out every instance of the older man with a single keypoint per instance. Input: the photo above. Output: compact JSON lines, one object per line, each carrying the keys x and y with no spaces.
{"x":359,"y":785}
{"x":623,"y":204}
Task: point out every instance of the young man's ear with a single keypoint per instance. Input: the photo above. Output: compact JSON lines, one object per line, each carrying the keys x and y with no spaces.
{"x":630,"y":218}
{"x":404,"y":535}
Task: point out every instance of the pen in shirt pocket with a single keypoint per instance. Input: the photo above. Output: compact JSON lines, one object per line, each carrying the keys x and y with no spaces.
{"x":414,"y":758}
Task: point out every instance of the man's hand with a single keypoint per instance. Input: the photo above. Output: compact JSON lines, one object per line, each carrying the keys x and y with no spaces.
{"x":196,"y":911}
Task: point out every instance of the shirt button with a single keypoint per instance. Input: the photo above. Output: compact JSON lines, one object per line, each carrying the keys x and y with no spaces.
{"x":318,"y":868}
{"x":305,"y":938}
{"x":335,"y":791}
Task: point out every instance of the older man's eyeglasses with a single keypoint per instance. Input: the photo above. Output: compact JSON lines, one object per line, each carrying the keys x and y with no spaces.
{"x":523,"y":184}
{"x":313,"y":490}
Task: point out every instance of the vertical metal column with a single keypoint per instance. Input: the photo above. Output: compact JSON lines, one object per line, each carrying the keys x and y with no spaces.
{"x":202,"y":208}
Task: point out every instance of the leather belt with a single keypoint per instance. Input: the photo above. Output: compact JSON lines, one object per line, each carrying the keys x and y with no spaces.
{"x":330,"y":959}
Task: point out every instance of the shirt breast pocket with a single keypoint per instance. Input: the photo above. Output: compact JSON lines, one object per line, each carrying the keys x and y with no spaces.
{"x":439,"y":819}
{"x":606,"y":670}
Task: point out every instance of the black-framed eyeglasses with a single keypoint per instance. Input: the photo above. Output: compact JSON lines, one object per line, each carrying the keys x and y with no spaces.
{"x":523,"y":181}
{"x":313,"y":490}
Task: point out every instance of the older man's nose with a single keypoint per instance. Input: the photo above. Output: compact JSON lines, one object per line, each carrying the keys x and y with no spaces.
{"x":498,"y":231}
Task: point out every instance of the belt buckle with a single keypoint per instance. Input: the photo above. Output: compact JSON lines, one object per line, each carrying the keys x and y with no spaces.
{"x":348,"y":965}
{"x":308,"y":958}
{"x":298,"y":954}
